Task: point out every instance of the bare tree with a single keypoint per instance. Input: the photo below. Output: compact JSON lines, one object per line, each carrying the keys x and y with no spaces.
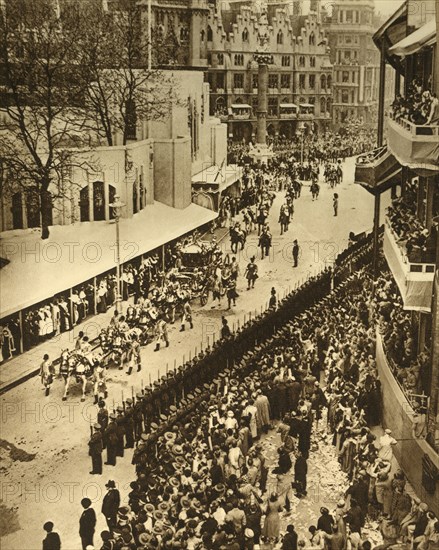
{"x":120,"y":88}
{"x":41,"y":107}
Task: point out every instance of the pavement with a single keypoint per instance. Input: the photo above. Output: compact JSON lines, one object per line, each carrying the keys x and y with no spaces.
{"x":43,"y":445}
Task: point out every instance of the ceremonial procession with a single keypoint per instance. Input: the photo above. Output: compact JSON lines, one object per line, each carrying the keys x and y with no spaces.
{"x":219,"y":273}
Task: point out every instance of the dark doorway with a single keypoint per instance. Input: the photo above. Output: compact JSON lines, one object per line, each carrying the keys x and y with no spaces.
{"x":98,"y":201}
{"x":84,"y":206}
{"x":17,"y":211}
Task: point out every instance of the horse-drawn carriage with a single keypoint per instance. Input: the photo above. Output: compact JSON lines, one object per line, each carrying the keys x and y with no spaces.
{"x":197,"y":261}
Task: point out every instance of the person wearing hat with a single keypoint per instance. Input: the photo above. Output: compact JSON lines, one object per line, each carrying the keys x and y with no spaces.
{"x":138,"y":416}
{"x":129,"y":424}
{"x":111,"y":440}
{"x":108,"y":542}
{"x":251,"y":273}
{"x":87,"y":523}
{"x":272,"y":304}
{"x":120,"y":431}
{"x":110,"y":504}
{"x":52,"y":540}
{"x":289,"y":541}
{"x":102,"y":419}
{"x":95,"y":448}
{"x":386,"y":443}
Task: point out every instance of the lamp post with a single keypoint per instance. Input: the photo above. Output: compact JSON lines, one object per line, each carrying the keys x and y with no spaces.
{"x":117,"y":206}
{"x":301,"y":133}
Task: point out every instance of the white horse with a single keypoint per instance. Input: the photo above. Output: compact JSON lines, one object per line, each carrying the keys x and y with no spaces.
{"x":77,"y":366}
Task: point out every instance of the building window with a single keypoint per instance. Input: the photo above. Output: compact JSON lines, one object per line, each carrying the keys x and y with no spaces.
{"x":220,"y":81}
{"x":209,"y":34}
{"x":353,"y":76}
{"x":273,"y":81}
{"x":348,"y":39}
{"x":202,"y":35}
{"x":312,"y":39}
{"x":329,"y":81}
{"x":280,"y":37}
{"x":255,"y":81}
{"x":220,"y":58}
{"x":312,"y":81}
{"x":238,"y":80}
{"x":245,"y":35}
{"x":302,"y":81}
{"x":272,"y":106}
{"x":323,"y":82}
{"x":301,"y":61}
{"x":286,"y":60}
{"x":285,"y":81}
{"x":312,"y":61}
{"x":344,"y":96}
{"x":239,"y":60}
{"x":322,"y":105}
{"x":349,"y":16}
{"x":345,"y":76}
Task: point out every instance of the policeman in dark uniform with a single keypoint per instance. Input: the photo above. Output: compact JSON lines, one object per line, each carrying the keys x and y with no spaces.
{"x":95,"y":449}
{"x":103,"y":421}
{"x":120,"y":431}
{"x":147,"y":408}
{"x":111,"y":440}
{"x":138,"y":416}
{"x":129,"y":424}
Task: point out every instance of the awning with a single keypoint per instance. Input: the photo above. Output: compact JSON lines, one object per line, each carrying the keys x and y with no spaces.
{"x":377,"y":170}
{"x":289,"y":105}
{"x":307,"y":105}
{"x":391,"y":32}
{"x":240,"y":106}
{"x":218,"y":177}
{"x":75,"y":253}
{"x":421,"y":38}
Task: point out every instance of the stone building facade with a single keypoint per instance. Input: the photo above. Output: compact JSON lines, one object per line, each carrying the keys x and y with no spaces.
{"x":301,"y":72}
{"x":355,"y":59}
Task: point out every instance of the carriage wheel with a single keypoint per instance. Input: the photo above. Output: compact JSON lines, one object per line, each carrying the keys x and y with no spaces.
{"x":203,"y":298}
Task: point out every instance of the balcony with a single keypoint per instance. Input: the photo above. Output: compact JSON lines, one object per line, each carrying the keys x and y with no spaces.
{"x":414,"y":146}
{"x":414,"y":279}
{"x":241,"y":111}
{"x":288,"y":111}
{"x":306,"y":111}
{"x":377,"y":170}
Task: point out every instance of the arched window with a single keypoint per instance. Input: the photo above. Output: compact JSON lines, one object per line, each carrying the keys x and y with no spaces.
{"x":312,"y":39}
{"x":280,"y":37}
{"x":329,"y":81}
{"x":322,"y":105}
{"x":323,"y":82}
{"x":202,"y":35}
{"x":209,"y":34}
{"x":245,"y":35}
{"x":328,"y":105}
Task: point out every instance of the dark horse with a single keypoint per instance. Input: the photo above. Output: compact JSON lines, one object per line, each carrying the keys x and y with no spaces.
{"x":237,"y":236}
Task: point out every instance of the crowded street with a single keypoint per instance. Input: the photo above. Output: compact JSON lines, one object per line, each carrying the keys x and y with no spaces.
{"x":53,"y":434}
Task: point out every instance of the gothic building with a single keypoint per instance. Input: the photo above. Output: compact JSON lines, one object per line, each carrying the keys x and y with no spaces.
{"x":300,"y":77}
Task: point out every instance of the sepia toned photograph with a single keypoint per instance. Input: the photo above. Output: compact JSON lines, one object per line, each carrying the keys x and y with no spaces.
{"x":219,"y":284}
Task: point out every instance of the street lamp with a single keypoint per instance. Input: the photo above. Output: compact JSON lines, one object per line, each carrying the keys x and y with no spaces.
{"x":117,"y":206}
